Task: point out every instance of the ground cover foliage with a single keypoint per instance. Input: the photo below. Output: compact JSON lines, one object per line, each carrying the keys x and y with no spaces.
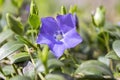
{"x":63,"y":46}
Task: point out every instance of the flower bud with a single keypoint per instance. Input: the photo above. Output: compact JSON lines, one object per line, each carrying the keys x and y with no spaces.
{"x":33,"y":8}
{"x":63,"y":10}
{"x":98,"y":17}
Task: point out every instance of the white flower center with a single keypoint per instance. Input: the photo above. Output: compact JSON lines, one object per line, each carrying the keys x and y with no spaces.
{"x":58,"y":35}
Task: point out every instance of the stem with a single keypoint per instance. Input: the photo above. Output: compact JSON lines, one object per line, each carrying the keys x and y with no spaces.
{"x":32,"y":35}
{"x":39,"y":74}
{"x":106,"y":37}
{"x":111,"y":65}
{"x":30,"y":55}
{"x":14,"y":67}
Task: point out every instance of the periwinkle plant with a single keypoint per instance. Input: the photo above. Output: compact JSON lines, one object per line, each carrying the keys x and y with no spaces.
{"x":30,"y":59}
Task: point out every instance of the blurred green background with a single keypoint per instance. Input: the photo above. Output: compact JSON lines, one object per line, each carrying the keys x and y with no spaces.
{"x":52,"y":7}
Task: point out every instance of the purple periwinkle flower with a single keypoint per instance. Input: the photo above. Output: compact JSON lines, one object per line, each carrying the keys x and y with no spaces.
{"x":59,"y":34}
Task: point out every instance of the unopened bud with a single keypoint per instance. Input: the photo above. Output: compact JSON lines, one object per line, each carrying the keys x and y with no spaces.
{"x":98,"y":17}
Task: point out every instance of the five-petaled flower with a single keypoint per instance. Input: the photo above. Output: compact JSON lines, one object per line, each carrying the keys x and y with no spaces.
{"x":59,"y":34}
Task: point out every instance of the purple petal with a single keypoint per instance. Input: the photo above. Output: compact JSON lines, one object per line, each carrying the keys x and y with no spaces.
{"x":72,"y":38}
{"x":49,"y":26}
{"x":45,"y":39}
{"x":66,"y":22}
{"x":58,"y":49}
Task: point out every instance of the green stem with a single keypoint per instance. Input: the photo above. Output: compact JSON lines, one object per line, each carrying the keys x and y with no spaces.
{"x":14,"y":67}
{"x":32,"y":35}
{"x":111,"y":65}
{"x":39,"y":74}
{"x":30,"y":55}
{"x":106,"y":37}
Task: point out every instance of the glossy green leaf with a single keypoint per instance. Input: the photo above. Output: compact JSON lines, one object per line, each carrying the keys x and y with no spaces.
{"x":9,"y":48}
{"x":116,"y":47}
{"x":39,"y":66}
{"x":112,"y":55}
{"x":54,"y":77}
{"x":34,"y":21}
{"x":25,"y":41}
{"x":104,"y":60}
{"x":8,"y":69}
{"x":5,"y":35}
{"x":14,"y":24}
{"x":20,"y":78}
{"x":93,"y":68}
{"x":19,"y":57}
{"x":54,"y":63}
{"x":58,"y":76}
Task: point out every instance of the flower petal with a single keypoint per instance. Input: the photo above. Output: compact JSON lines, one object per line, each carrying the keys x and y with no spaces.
{"x":49,"y":25}
{"x":58,"y":49}
{"x":72,"y":38}
{"x":45,"y":39}
{"x":66,"y":22}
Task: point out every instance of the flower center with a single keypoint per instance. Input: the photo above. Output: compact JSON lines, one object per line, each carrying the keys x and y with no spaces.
{"x":58,"y":35}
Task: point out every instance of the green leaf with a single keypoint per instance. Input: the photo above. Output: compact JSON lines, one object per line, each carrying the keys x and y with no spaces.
{"x":39,"y":66}
{"x":20,"y":78}
{"x":54,"y":63}
{"x":25,"y":41}
{"x":33,"y":8}
{"x":34,"y":17}
{"x":112,"y":55}
{"x":9,"y":48}
{"x":8,"y":69}
{"x":104,"y":60}
{"x":93,"y":68}
{"x":17,"y":3}
{"x":34,"y":21}
{"x":14,"y":24}
{"x":54,"y":77}
{"x":116,"y":47}
{"x":19,"y":57}
{"x":5,"y":35}
{"x":58,"y":76}
{"x":63,"y":10}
